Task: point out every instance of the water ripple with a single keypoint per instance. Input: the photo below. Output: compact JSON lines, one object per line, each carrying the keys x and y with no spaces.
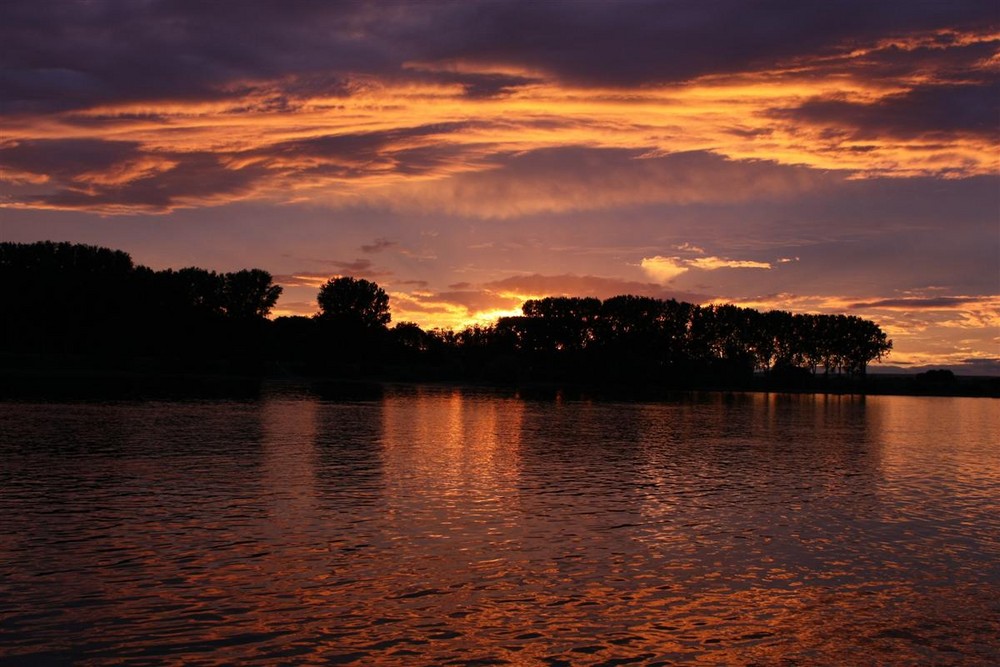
{"x":441,"y":526}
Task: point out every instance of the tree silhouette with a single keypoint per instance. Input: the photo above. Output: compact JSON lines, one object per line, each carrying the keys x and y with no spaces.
{"x":563,"y":323}
{"x":354,"y":301}
{"x":71,"y":300}
{"x":645,"y":340}
{"x":249,"y":294}
{"x":60,"y":296}
{"x":409,"y":337}
{"x":83,"y":300}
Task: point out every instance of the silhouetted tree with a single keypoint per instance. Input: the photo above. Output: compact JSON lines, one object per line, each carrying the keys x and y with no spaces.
{"x":249,"y":294}
{"x":354,"y":300}
{"x":191,"y":293}
{"x":84,"y":300}
{"x":864,"y":342}
{"x":352,"y":325}
{"x":409,"y":337}
{"x":60,"y":296}
{"x":935,"y":380}
{"x":561,"y":324}
{"x":71,"y":299}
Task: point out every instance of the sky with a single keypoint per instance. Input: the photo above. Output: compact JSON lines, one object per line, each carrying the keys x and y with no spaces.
{"x":827,"y":157}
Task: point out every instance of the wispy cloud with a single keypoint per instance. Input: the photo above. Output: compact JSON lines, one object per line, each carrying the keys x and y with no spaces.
{"x":927,"y":303}
{"x":378,"y":245}
{"x":381,"y":131}
{"x":665,"y":269}
{"x":358,"y":268}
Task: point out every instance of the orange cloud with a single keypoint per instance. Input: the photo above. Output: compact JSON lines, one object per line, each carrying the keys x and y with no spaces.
{"x":428,"y":146}
{"x":665,"y":269}
{"x":713,"y":263}
{"x":303,"y":279}
{"x":465,"y":304}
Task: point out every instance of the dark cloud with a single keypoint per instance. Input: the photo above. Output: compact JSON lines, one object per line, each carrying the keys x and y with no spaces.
{"x":631,"y":43}
{"x":437,"y":157}
{"x":920,"y":303}
{"x":979,"y":366}
{"x":65,"y":159}
{"x":359,"y":268}
{"x":378,"y":245}
{"x":360,"y":146}
{"x":357,"y":265}
{"x":74,"y":54}
{"x":476,"y":85}
{"x":116,"y":175}
{"x":924,"y":110}
{"x":939,"y":55}
{"x":407,"y":151}
{"x":982,"y":366}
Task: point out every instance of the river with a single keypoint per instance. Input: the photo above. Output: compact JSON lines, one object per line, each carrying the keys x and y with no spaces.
{"x":429,"y":525}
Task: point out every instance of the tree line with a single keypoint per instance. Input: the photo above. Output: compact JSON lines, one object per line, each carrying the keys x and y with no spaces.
{"x":635,"y":337}
{"x":76,"y":299}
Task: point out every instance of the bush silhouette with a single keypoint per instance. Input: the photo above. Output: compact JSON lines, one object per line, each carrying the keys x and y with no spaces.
{"x":354,"y":300}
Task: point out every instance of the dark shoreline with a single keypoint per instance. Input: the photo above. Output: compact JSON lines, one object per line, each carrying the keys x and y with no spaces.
{"x":52,"y":381}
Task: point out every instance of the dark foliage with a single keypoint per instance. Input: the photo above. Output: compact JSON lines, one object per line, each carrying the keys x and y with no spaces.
{"x":77,"y":300}
{"x":354,"y":302}
{"x":934,"y":380}
{"x":631,"y":338}
{"x":73,"y":299}
{"x":350,"y":327}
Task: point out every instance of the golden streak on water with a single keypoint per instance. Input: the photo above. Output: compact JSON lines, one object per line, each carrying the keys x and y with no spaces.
{"x":412,"y":526}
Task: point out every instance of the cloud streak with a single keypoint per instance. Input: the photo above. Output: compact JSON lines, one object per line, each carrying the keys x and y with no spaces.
{"x":386,"y":110}
{"x":665,"y":269}
{"x":59,"y":56}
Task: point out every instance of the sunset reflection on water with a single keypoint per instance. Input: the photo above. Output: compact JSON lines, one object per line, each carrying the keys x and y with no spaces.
{"x":441,"y":525}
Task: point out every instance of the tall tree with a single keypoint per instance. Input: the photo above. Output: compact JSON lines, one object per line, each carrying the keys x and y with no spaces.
{"x":354,"y":301}
{"x":249,"y":294}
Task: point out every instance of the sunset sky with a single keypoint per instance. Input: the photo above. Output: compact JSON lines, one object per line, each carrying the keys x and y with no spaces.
{"x":835,"y":157}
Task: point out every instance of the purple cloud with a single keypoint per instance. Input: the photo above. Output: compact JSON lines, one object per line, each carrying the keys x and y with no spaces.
{"x":72,"y":55}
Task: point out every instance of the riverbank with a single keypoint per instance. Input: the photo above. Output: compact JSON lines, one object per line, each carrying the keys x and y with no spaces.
{"x":44,"y":377}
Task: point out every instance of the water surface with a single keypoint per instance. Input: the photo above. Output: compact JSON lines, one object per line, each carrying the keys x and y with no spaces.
{"x":450,"y":526}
